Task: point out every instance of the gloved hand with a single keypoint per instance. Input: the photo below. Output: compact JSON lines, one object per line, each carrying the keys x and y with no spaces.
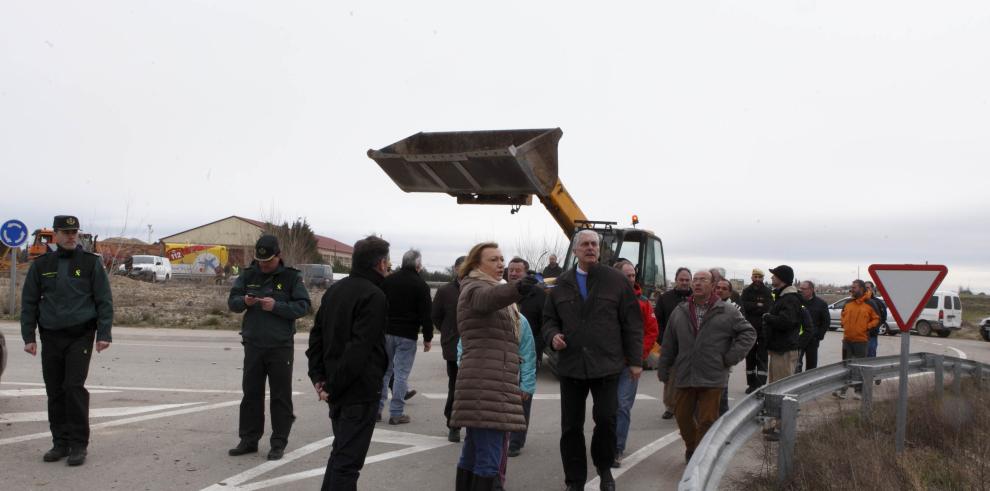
{"x":527,"y":284}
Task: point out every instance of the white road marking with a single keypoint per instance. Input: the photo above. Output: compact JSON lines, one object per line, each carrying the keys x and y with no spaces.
{"x":416,"y":443}
{"x":637,"y":457}
{"x":223,"y":346}
{"x":234,"y":482}
{"x":957,"y":350}
{"x":149,"y":389}
{"x":41,"y":392}
{"x":536,"y":397}
{"x":105,"y":412}
{"x":124,"y":421}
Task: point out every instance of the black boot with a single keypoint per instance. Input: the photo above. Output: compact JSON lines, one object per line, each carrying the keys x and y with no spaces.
{"x":464,"y":479}
{"x":481,"y":483}
{"x":243,"y":448}
{"x":606,"y":481}
{"x":77,"y":456}
{"x":56,"y":454}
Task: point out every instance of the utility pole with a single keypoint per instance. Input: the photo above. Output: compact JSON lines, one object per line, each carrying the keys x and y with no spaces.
{"x":149,"y":233}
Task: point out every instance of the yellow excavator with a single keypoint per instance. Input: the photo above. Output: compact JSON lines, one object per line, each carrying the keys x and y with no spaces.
{"x":509,"y":167}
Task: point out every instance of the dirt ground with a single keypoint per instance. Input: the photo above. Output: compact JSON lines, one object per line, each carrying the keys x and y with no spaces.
{"x":178,"y":303}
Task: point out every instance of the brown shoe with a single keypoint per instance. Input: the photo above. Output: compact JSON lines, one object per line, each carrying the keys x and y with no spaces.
{"x":398,"y":420}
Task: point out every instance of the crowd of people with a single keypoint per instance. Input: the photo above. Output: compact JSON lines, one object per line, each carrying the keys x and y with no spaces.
{"x":495,"y":320}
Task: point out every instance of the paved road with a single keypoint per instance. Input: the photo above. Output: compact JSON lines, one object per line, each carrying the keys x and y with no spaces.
{"x":164,"y":412}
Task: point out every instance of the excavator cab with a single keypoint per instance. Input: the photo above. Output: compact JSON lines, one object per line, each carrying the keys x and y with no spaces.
{"x":509,"y":167}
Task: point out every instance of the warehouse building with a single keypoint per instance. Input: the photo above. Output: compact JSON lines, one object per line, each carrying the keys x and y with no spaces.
{"x":239,"y":234}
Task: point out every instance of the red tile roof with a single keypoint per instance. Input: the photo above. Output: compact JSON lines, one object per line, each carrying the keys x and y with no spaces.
{"x":322,"y":242}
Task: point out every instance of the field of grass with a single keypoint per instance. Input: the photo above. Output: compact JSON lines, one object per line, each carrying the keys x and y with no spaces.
{"x":948,"y":444}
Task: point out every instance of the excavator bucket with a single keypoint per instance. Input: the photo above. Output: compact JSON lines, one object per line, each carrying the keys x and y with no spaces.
{"x":503,"y":167}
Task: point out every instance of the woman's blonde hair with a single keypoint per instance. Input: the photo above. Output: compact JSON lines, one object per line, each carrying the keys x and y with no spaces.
{"x":474,"y":258}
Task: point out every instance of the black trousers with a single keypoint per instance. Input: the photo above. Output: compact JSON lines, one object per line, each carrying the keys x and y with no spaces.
{"x":352,"y":425}
{"x":517,"y":439}
{"x":808,"y":356}
{"x":573,"y":398}
{"x":65,"y":366}
{"x":757,"y":362}
{"x":451,"y":382}
{"x":275,"y":364}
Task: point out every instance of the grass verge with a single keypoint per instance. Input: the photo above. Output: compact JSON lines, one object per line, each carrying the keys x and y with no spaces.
{"x":948,"y":447}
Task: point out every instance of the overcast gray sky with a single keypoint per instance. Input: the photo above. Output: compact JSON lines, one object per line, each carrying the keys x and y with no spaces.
{"x":826,"y":135}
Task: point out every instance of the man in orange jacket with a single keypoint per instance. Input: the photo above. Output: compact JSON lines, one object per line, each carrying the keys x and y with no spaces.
{"x":858,"y":317}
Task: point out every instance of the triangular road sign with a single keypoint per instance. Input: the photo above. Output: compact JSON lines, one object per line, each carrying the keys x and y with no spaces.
{"x":906,"y":288}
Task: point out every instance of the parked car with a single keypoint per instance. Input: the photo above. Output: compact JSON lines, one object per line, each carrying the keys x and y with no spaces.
{"x":941,"y":315}
{"x":149,"y":268}
{"x":985,"y":328}
{"x":316,"y":275}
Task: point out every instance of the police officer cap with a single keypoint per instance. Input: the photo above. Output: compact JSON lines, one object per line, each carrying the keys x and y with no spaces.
{"x":65,"y":222}
{"x":266,"y":248}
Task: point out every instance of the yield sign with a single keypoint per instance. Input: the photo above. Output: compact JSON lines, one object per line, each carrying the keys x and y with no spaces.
{"x":906,"y":288}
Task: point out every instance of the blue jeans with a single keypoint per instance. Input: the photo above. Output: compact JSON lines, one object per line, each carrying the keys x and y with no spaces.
{"x":482,"y":451}
{"x":627,"y":396}
{"x":871,"y":347}
{"x":401,"y":352}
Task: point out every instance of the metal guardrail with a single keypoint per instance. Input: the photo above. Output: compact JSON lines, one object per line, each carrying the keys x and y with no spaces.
{"x":783,"y":398}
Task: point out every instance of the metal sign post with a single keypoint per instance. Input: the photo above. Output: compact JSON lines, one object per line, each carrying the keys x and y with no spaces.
{"x":902,"y":389}
{"x":906,"y":289}
{"x":13,"y":233}
{"x":12,"y":294}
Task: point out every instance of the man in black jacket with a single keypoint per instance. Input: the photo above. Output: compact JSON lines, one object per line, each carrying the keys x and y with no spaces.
{"x":67,"y":300}
{"x":592,"y":319}
{"x":272,"y":296}
{"x":756,"y":300}
{"x":444,"y":314}
{"x":553,"y":269}
{"x":531,"y":307}
{"x":818,"y":310}
{"x":666,"y":303}
{"x":880,"y":307}
{"x":409,"y":308}
{"x":783,"y":324}
{"x":347,"y":359}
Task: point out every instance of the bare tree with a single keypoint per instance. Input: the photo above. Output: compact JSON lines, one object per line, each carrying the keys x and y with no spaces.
{"x":537,"y":251}
{"x":297,"y":242}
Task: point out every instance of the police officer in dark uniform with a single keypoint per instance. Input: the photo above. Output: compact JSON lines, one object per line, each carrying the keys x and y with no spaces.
{"x":272,"y":296}
{"x":67,"y":298}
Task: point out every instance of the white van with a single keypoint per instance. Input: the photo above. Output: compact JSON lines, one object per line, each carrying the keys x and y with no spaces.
{"x":150,"y":268}
{"x":941,"y":315}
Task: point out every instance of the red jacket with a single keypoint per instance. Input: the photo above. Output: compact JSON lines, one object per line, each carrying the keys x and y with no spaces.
{"x":650,"y":327}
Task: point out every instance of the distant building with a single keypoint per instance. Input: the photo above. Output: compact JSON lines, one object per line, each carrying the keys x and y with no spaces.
{"x":239,"y":234}
{"x":117,"y":250}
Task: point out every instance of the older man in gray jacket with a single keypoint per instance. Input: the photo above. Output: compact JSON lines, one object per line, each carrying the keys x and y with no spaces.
{"x":705,"y":337}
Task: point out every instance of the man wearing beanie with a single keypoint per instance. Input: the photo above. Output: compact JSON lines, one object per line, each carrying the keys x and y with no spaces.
{"x":782,"y":324}
{"x":272,"y":296}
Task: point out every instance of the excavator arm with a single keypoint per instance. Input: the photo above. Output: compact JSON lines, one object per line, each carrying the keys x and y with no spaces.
{"x":504,"y":167}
